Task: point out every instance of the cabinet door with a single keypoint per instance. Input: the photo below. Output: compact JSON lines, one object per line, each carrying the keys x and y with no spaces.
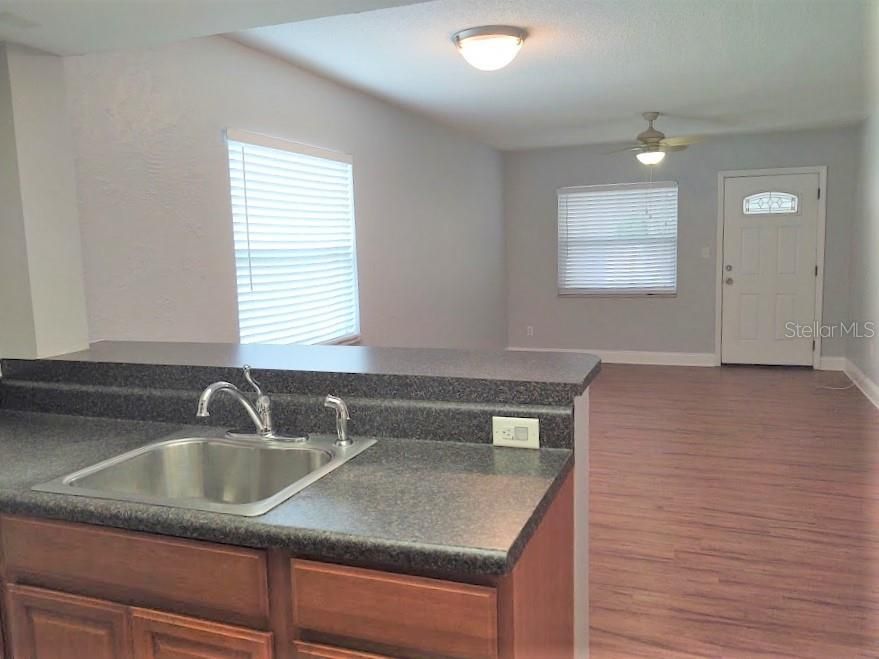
{"x":44,"y":624}
{"x":166,"y":636}
{"x":315,"y":651}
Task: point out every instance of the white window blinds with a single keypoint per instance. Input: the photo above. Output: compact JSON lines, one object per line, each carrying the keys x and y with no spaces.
{"x":295,"y":256}
{"x":618,"y":239}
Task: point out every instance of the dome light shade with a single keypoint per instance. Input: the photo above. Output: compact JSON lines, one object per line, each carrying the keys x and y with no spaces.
{"x":489,"y":48}
{"x":650,"y":157}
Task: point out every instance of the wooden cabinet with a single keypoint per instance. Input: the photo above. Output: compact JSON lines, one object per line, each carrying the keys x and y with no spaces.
{"x":74,"y":591}
{"x":165,"y":636}
{"x":47,"y":625}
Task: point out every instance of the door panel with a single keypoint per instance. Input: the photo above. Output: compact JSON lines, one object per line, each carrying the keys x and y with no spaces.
{"x":46,"y":624}
{"x":769,"y":281}
{"x":166,"y":636}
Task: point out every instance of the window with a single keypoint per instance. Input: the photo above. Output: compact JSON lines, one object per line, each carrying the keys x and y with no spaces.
{"x":295,"y":256}
{"x":618,"y":239}
{"x":770,"y":203}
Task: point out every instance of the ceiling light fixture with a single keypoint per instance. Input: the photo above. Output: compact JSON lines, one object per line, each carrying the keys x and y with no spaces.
{"x":650,"y":157}
{"x":491,"y":47}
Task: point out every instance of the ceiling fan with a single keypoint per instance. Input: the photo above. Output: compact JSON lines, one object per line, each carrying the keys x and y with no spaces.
{"x":653,"y":144}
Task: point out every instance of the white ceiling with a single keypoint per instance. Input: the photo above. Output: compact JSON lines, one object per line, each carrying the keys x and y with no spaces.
{"x":74,"y":27}
{"x":590,"y":67}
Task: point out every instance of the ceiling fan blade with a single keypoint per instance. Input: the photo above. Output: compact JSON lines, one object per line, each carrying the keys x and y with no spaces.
{"x":672,"y":147}
{"x":685,"y":140}
{"x":633,"y":147}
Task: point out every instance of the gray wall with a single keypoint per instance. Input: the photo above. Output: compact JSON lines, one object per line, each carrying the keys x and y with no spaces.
{"x":42,"y":298}
{"x":864,"y":298}
{"x":17,"y":331}
{"x":684,"y":323}
{"x":155,"y":210}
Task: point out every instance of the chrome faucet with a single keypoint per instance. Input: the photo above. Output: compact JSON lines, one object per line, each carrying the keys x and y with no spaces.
{"x":342,"y":419}
{"x":261,"y":413}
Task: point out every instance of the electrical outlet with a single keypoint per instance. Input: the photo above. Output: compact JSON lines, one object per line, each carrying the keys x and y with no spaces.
{"x":706,"y":252}
{"x":516,"y":432}
{"x":529,"y":331}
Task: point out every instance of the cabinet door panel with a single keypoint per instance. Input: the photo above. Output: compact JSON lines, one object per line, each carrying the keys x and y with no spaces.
{"x":315,"y":651}
{"x":45,"y":624}
{"x":165,"y":636}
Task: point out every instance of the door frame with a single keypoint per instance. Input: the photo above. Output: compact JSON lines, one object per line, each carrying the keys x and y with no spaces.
{"x":722,"y":176}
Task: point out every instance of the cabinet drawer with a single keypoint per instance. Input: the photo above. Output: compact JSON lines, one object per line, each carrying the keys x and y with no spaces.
{"x":314,"y":651}
{"x":202,"y":579}
{"x":410,"y":613}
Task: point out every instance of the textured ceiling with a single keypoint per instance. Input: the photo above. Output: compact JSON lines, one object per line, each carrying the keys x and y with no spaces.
{"x":74,"y":27}
{"x":590,"y":67}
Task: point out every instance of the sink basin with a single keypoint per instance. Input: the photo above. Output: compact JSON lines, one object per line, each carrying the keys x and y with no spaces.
{"x":227,"y":475}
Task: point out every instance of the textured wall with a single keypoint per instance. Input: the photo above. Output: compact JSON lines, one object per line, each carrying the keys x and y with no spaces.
{"x":154,"y":200}
{"x":684,"y":323}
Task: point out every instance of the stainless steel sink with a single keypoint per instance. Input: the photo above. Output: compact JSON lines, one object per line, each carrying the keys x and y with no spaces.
{"x":247,"y":476}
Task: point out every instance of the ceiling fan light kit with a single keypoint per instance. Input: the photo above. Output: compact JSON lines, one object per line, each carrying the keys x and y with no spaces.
{"x":490,"y":47}
{"x":650,"y":157}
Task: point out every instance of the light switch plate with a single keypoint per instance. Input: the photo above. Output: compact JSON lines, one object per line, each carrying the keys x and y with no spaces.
{"x":516,"y":432}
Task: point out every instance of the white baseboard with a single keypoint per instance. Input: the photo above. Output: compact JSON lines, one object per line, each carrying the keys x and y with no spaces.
{"x":869,"y":388}
{"x":832,"y":364}
{"x":637,"y":356}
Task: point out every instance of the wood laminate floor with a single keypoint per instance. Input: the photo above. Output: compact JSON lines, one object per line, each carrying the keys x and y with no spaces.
{"x":734,"y":513}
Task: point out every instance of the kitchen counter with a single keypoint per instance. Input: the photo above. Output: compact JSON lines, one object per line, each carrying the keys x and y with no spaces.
{"x":572,"y":369}
{"x":433,"y":508}
{"x":490,"y":376}
{"x":425,"y":394}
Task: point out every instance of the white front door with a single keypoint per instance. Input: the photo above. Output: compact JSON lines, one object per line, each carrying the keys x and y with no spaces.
{"x":770,"y":239}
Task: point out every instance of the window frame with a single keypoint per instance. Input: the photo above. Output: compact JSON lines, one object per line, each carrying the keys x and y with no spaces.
{"x":569,"y":292}
{"x":270,"y":142}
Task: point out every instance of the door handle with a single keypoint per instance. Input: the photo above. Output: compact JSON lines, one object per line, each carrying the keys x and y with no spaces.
{"x":729,"y":281}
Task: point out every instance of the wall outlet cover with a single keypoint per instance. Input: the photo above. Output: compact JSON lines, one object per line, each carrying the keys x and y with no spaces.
{"x":515,"y":432}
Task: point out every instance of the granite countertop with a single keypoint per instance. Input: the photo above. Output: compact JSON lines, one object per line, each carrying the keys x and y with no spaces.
{"x":575,"y":370}
{"x":433,"y":508}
